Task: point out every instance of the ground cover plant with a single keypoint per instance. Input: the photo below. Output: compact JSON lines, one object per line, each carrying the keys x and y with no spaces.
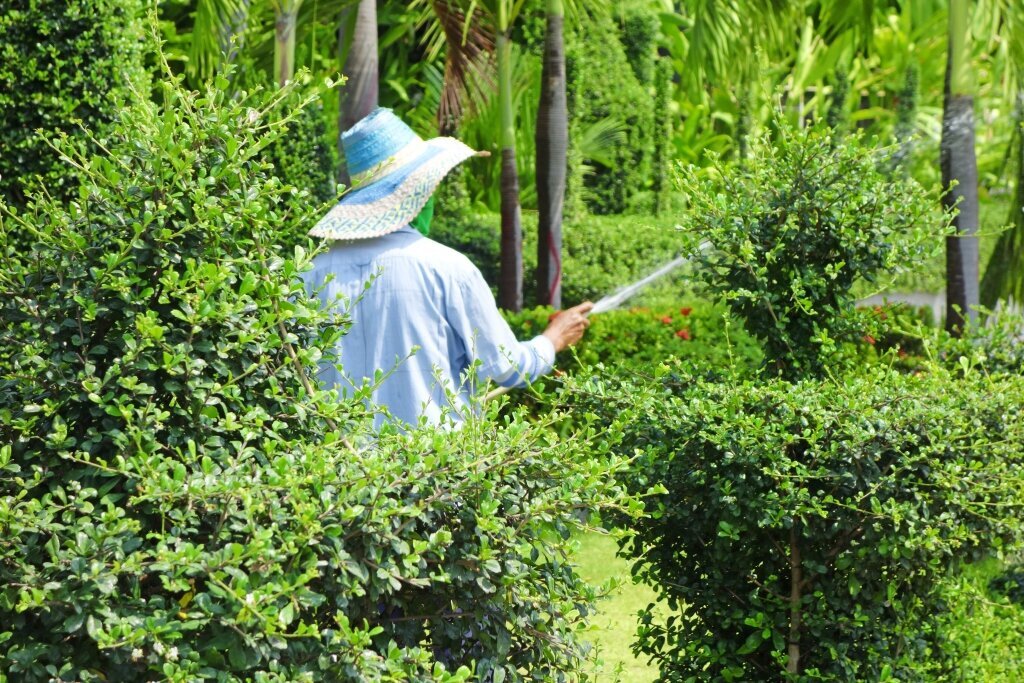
{"x":178,"y":500}
{"x":813,"y":512}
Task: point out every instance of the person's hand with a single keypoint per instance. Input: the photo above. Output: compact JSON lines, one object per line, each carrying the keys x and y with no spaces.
{"x":567,"y":327}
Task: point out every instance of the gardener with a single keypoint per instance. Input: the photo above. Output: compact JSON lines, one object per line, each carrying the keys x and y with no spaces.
{"x":428,"y":320}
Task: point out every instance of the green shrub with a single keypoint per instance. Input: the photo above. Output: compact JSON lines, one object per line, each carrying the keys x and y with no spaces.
{"x":61,"y":63}
{"x":304,"y":157}
{"x":699,"y":332}
{"x":457,"y":225}
{"x":984,"y":627}
{"x":795,"y":229}
{"x":178,"y":501}
{"x":808,"y":526}
{"x":811,"y":513}
{"x":602,"y":87}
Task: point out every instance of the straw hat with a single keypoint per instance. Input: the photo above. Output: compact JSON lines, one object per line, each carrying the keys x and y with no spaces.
{"x":394,"y":172}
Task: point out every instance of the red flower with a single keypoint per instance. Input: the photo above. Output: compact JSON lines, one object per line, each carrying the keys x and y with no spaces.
{"x":667,"y":320}
{"x":869,"y":339}
{"x":684,"y":334}
{"x":686,"y":311}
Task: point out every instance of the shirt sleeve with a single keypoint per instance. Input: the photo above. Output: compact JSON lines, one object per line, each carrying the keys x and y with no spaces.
{"x":486,"y":337}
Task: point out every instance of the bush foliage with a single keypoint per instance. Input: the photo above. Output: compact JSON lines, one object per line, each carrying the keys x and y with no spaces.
{"x":61,"y":63}
{"x":700,"y":332}
{"x":178,"y":501}
{"x":603,"y":87}
{"x":795,"y":228}
{"x":813,"y":512}
{"x":815,"y":515}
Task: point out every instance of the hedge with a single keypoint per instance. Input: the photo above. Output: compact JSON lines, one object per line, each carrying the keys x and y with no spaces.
{"x":62,"y":63}
{"x":178,"y":500}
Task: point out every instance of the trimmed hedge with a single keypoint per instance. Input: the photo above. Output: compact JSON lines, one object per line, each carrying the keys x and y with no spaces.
{"x":612,"y":80}
{"x":61,"y":63}
{"x":812,"y":524}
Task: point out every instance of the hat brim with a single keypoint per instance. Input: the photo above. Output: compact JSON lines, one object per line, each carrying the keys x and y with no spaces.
{"x":389,"y":203}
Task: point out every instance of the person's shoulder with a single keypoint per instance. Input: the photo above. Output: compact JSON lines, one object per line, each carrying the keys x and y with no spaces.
{"x":442,"y":257}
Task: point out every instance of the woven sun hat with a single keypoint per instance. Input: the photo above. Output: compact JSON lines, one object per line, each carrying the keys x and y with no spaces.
{"x":394,"y":172}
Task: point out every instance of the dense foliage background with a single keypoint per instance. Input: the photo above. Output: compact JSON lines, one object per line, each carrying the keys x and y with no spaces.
{"x":832,"y":488}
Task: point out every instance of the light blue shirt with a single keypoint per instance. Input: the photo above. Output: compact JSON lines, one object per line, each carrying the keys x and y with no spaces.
{"x":425,"y":318}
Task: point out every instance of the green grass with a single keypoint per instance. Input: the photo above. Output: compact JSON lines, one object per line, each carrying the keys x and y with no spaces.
{"x":614,"y":625}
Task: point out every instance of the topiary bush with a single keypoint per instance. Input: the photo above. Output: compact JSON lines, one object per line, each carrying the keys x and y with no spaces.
{"x":808,"y":526}
{"x":794,"y":230}
{"x":178,"y":500}
{"x":812,"y":512}
{"x":62,"y":63}
{"x":601,"y":86}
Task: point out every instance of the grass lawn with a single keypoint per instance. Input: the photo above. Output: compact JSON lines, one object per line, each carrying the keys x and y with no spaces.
{"x":614,"y":625}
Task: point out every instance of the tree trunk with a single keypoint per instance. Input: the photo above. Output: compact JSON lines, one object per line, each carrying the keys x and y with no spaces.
{"x":552,"y":147}
{"x":1004,"y":275}
{"x":795,"y":599}
{"x":285,"y":14}
{"x":357,"y":52}
{"x":960,"y":165}
{"x":510,"y":280}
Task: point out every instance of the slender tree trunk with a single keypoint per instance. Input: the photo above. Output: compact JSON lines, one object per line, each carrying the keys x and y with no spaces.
{"x":358,"y":54}
{"x":795,"y":602}
{"x":285,"y":14}
{"x":552,"y":149}
{"x":959,"y":165}
{"x":510,"y":279}
{"x":1004,"y":274}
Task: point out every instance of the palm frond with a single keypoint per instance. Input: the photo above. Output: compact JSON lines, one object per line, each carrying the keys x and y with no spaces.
{"x":217,"y":23}
{"x":469,"y":44}
{"x":597,"y":142}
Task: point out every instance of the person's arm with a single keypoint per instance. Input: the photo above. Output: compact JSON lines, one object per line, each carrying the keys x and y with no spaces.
{"x":473,"y":314}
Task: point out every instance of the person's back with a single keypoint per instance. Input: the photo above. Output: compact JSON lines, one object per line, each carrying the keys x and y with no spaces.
{"x":419,"y":323}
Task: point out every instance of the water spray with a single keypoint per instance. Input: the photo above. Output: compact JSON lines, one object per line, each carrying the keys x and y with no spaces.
{"x":610,"y":302}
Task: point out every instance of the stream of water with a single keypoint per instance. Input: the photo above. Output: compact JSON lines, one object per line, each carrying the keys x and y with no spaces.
{"x":620,"y":296}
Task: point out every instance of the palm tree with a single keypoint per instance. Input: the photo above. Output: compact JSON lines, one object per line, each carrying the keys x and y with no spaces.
{"x":552,"y":148}
{"x":286,"y":13}
{"x":960,"y":169}
{"x":502,"y":14}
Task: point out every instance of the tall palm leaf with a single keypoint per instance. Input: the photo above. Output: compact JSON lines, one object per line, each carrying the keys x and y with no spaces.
{"x":467,"y":40}
{"x":219,"y":24}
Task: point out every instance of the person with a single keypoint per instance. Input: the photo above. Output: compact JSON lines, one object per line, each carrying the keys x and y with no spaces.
{"x":425,"y":328}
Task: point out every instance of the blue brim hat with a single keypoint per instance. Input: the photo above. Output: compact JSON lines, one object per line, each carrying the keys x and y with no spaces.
{"x":394,"y":172}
